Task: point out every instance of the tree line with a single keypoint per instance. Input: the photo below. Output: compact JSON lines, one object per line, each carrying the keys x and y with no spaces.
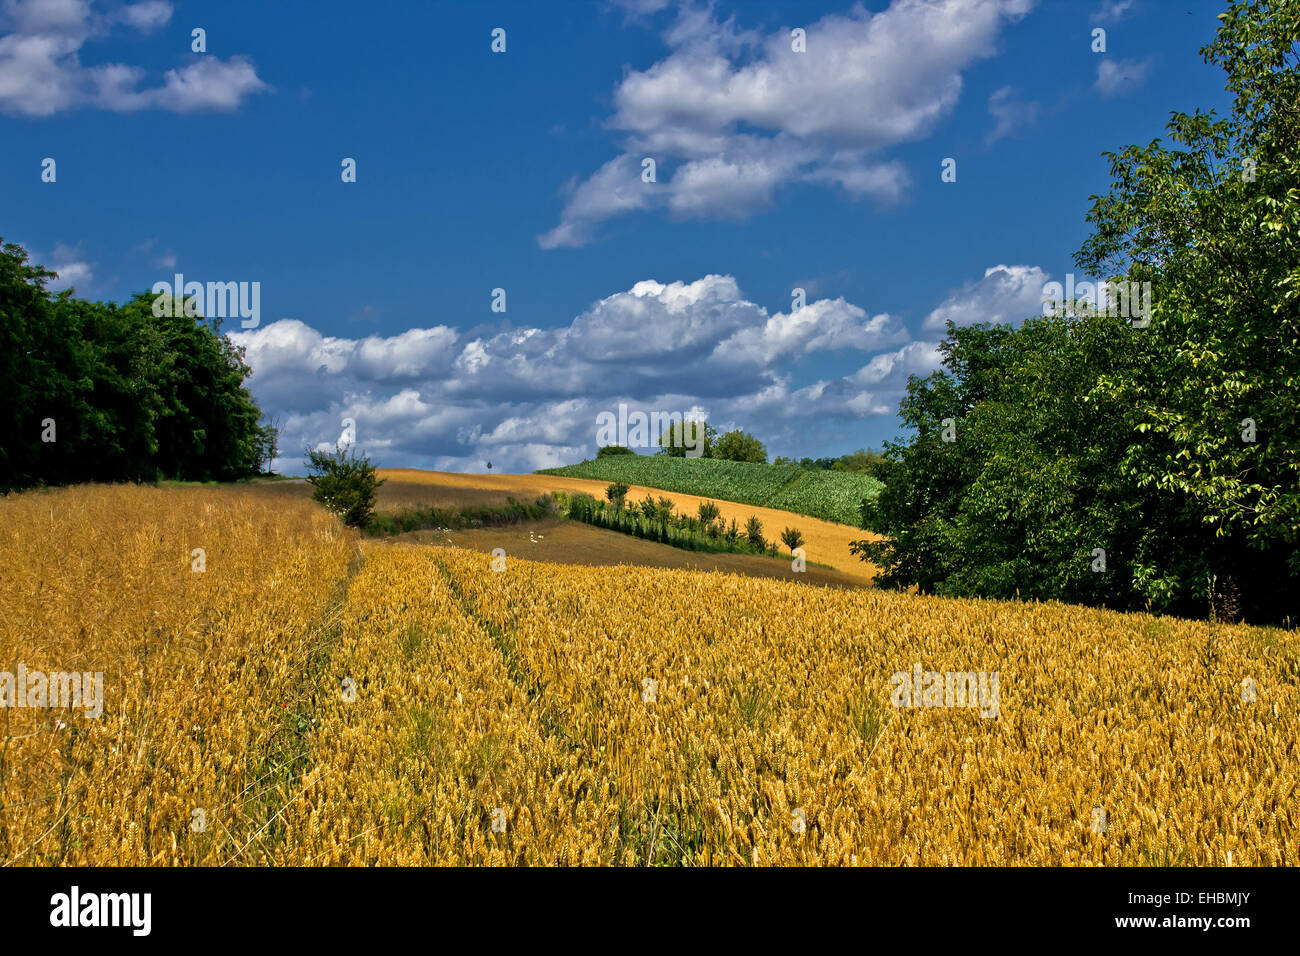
{"x":95,"y":391}
{"x":1087,"y":458}
{"x":684,"y":439}
{"x":658,"y":520}
{"x":739,"y":445}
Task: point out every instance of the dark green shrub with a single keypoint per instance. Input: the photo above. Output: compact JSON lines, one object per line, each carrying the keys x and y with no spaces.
{"x":583,"y":506}
{"x":345,"y":484}
{"x":617,"y":494}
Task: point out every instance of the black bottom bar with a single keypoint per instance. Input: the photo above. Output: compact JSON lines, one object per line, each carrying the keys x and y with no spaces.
{"x":342,"y":907}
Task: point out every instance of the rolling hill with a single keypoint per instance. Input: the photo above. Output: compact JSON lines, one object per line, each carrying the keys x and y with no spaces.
{"x":817,"y":493}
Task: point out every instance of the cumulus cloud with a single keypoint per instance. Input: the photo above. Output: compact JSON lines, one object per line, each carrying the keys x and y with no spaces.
{"x":41,"y":72}
{"x":529,"y":398}
{"x":1116,"y":77}
{"x":821,"y":326}
{"x":914,"y":358}
{"x":1006,"y":294}
{"x":731,"y":115}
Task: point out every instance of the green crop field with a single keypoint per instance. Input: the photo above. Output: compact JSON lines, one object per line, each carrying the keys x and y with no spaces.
{"x":830,"y":495}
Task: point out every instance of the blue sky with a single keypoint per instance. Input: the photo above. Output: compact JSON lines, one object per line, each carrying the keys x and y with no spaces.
{"x":522,"y":171}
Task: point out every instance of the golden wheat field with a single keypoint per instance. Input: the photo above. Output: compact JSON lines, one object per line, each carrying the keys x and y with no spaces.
{"x":312,"y":698}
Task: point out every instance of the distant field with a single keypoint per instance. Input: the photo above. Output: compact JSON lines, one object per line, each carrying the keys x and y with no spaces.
{"x":827,"y":542}
{"x":571,"y":542}
{"x":400,"y":491}
{"x":829,"y":495}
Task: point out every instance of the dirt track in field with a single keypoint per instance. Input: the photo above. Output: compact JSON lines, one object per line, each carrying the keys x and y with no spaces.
{"x":572,"y":542}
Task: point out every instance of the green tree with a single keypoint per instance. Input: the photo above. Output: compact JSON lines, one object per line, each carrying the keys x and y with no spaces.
{"x":754,"y":533}
{"x":693,"y":436}
{"x":792,"y":537}
{"x":737,"y":445}
{"x":1213,"y":223}
{"x":1100,"y":461}
{"x":861,"y":461}
{"x":616,"y":494}
{"x":128,"y":396}
{"x":345,"y":483}
{"x":1008,"y":485}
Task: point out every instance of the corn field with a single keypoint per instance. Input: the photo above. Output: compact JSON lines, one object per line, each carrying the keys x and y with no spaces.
{"x":302,"y":697}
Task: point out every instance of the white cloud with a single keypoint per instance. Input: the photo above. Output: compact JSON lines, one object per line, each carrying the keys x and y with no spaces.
{"x":613,"y":189}
{"x":73,"y":269}
{"x":642,"y":8}
{"x":1010,"y":113}
{"x":883,"y":182}
{"x":165,"y":260}
{"x":411,"y":354}
{"x":528,"y":398}
{"x":31,"y":80}
{"x":1112,"y":11}
{"x":50,"y":17}
{"x":1116,"y":77}
{"x":209,"y":84}
{"x":41,"y":72}
{"x":726,"y":188}
{"x":1006,"y":294}
{"x":730,"y":115}
{"x":820,"y":326}
{"x":914,"y":358}
{"x":147,"y":16}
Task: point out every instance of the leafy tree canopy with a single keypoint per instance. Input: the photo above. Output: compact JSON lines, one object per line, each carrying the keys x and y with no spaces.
{"x":95,"y":391}
{"x":738,"y":445}
{"x":1082,"y":458}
